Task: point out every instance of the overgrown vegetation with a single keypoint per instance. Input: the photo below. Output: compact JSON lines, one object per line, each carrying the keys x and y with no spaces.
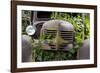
{"x":26,"y":16}
{"x":81,"y":25}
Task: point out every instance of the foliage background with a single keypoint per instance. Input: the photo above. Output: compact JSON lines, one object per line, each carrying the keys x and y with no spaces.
{"x":81,"y":24}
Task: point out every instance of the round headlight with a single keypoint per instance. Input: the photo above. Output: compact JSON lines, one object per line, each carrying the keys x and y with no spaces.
{"x":30,"y":30}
